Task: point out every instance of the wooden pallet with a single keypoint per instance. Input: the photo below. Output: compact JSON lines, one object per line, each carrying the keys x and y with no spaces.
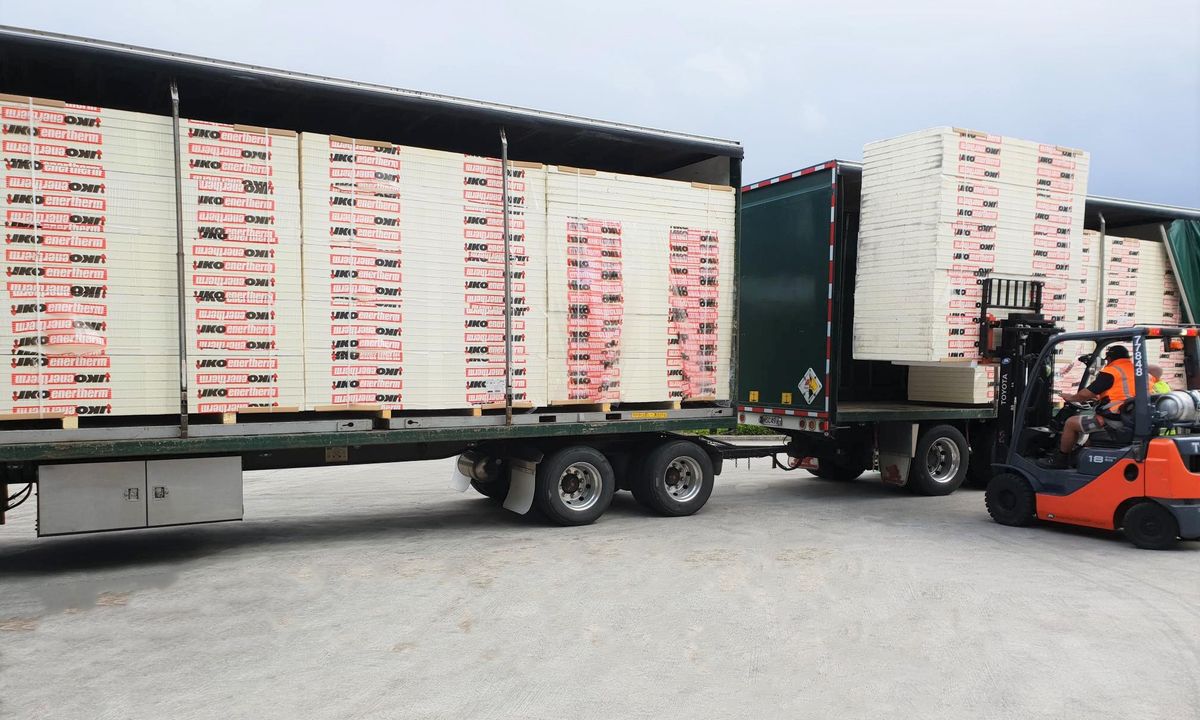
{"x":661,"y":405}
{"x":523,"y":405}
{"x":582,"y":405}
{"x":372,"y":409}
{"x":231,"y":418}
{"x":66,"y":422}
{"x":441,"y":412}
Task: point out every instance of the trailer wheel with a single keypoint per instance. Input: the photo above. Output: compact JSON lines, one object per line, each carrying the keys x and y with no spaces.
{"x":495,"y":490}
{"x":1010,"y":500}
{"x":1151,"y":526}
{"x":940,"y":464}
{"x":837,"y":471}
{"x":574,"y":486}
{"x":675,"y":479}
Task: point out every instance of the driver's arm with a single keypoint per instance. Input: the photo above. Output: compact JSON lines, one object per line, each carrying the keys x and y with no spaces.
{"x":1099,"y":386}
{"x":1084,"y":395}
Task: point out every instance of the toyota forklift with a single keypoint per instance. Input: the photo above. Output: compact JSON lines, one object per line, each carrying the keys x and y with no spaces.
{"x":1140,"y":473}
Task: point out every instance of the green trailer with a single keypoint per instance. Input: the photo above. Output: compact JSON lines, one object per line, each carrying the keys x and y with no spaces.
{"x":134,"y":472}
{"x":797,"y":371}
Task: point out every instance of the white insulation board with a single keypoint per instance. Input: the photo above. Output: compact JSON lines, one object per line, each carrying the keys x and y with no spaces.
{"x":943,"y":209}
{"x":323,"y":272}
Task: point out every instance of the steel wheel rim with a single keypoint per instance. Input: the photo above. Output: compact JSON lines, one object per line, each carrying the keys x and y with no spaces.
{"x":579,"y":486}
{"x":942,"y":460}
{"x":683,"y":478}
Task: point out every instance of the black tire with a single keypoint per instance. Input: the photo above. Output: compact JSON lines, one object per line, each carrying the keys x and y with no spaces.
{"x":829,"y":470}
{"x":979,"y":467}
{"x":1151,"y":526}
{"x":1010,"y":500}
{"x":940,"y":465}
{"x":574,"y":485}
{"x":675,"y":479}
{"x":495,"y":490}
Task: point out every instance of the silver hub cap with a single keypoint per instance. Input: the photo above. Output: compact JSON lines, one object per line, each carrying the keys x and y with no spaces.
{"x":943,"y":460}
{"x":579,"y":486}
{"x":684,"y":478}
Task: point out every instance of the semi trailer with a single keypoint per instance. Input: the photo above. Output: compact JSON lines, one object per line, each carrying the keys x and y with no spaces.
{"x":796,"y":367}
{"x":98,"y":473}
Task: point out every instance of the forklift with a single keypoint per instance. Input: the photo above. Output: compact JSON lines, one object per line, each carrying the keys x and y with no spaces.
{"x":1140,"y":473}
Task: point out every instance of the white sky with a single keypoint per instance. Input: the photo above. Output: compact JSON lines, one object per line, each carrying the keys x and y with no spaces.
{"x":796,"y":82}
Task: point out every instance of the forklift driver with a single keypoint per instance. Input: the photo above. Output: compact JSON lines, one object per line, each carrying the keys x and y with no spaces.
{"x":1112,"y":386}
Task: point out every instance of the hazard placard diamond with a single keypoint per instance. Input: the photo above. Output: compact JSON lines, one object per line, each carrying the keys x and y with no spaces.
{"x":810,"y":385}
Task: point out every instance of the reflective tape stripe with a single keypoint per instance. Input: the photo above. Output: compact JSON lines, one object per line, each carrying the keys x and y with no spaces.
{"x":1120,"y":370}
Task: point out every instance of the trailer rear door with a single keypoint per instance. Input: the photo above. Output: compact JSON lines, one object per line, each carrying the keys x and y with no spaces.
{"x":784,"y":285}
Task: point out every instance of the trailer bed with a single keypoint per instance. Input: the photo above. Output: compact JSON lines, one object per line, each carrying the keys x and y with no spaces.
{"x":870,"y":411}
{"x":304,"y":442}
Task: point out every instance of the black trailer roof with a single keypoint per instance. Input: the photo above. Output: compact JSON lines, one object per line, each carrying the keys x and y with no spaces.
{"x":1115,"y":213}
{"x":132,"y":78}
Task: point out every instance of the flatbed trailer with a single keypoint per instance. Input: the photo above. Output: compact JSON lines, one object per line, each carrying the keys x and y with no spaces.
{"x":797,"y":371}
{"x":124,"y":473}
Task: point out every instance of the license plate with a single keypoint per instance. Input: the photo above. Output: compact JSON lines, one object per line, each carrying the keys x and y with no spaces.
{"x":772,"y":420}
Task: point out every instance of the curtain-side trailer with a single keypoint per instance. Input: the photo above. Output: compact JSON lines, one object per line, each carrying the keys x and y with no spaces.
{"x":797,"y":372}
{"x":133,"y":472}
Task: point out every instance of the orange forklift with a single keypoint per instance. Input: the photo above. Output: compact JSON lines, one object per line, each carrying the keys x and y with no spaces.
{"x":1140,"y":473}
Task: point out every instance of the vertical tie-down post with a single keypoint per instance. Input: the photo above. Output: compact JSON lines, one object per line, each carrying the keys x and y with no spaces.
{"x":508,"y":349}
{"x":180,"y":265}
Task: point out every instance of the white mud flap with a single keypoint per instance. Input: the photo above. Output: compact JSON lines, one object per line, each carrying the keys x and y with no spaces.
{"x":897,"y":443}
{"x":458,"y":481}
{"x":521,"y":485}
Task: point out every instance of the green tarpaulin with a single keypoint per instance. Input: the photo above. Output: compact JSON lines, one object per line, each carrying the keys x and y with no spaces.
{"x":1183,"y":239}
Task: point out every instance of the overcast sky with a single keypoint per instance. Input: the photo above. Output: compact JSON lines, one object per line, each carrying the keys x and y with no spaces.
{"x":796,"y":82}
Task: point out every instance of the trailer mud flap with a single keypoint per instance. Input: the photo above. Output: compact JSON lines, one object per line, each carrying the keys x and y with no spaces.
{"x":522,"y":481}
{"x":458,"y":481}
{"x":897,"y":443}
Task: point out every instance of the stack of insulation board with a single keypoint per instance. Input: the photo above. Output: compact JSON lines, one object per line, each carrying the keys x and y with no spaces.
{"x":943,"y":209}
{"x":956,"y":384}
{"x":1140,"y":288}
{"x":404,"y":276}
{"x":640,"y":280}
{"x":1142,"y":269}
{"x":326,"y":272}
{"x":241,"y":217}
{"x":1086,"y":278}
{"x":89,"y":257}
{"x":454,"y":281}
{"x":353,"y":263}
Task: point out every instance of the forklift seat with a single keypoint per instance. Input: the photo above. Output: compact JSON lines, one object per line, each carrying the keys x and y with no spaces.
{"x":1115,"y":437}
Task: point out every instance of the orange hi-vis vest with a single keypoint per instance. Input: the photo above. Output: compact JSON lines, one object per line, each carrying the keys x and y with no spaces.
{"x":1124,"y":382}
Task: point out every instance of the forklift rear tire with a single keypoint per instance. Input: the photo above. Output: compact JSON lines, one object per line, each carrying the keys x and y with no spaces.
{"x":1151,"y":526}
{"x":674,"y":480}
{"x":1010,"y":500}
{"x":940,"y":465}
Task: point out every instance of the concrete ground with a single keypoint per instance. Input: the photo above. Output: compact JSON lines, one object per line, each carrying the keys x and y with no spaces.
{"x":375,"y":592}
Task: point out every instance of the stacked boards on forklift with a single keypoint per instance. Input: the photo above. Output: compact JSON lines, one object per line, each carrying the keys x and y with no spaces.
{"x":325,"y":272}
{"x":942,"y":210}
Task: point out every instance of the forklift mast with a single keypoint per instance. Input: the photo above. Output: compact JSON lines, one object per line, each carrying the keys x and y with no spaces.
{"x":1014,"y":343}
